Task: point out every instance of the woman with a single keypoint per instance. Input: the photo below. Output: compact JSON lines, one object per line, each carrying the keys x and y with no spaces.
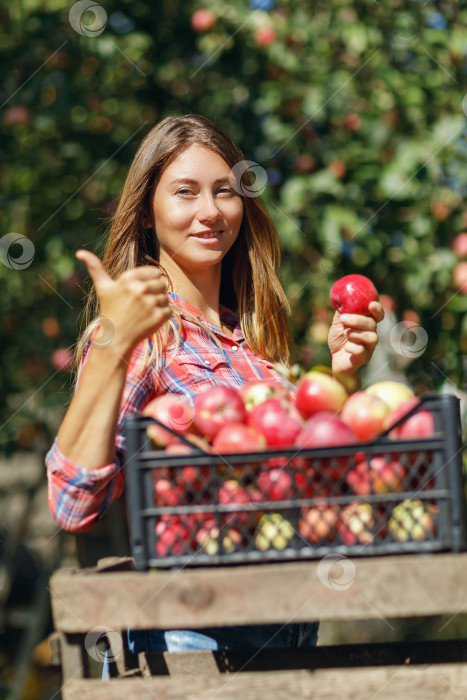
{"x":189,"y":245}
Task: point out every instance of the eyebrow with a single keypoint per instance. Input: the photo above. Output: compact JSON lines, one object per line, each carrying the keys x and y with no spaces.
{"x":191,"y":181}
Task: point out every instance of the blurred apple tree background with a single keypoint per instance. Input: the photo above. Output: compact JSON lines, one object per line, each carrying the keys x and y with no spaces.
{"x":356,"y":110}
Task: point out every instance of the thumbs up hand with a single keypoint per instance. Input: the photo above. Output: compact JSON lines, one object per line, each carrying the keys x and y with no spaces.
{"x":135,"y":303}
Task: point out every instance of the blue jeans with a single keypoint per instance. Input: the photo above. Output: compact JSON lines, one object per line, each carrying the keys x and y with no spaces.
{"x":218,"y":638}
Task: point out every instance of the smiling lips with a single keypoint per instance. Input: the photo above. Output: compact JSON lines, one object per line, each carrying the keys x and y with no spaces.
{"x":207,"y":234}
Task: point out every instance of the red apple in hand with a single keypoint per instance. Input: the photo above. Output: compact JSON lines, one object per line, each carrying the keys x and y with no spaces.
{"x":352,"y":294}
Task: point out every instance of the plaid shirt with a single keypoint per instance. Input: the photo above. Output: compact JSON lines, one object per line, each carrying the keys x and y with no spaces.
{"x":78,"y":497}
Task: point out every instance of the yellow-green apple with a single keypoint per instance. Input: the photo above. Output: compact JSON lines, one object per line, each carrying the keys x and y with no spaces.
{"x":273,"y":531}
{"x":254,"y":393}
{"x":413,"y":520}
{"x":392,"y":393}
{"x":356,"y":524}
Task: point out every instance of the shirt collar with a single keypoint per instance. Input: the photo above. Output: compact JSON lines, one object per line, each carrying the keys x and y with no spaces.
{"x":227,"y":316}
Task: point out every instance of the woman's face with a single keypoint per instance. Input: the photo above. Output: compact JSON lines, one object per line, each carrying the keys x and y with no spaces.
{"x":197,"y":213}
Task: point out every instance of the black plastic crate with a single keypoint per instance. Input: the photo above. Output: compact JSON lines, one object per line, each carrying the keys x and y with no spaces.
{"x":297,"y":504}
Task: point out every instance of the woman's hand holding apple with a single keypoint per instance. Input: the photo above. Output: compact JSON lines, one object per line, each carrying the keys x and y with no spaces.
{"x":352,"y":336}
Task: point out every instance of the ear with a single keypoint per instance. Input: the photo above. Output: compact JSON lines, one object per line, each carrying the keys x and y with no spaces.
{"x":147,"y":223}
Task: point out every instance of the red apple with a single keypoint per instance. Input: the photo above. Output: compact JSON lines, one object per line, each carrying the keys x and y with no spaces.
{"x":207,"y":536}
{"x":337,"y":168}
{"x":421,"y":424}
{"x":387,"y":476}
{"x":238,"y":438}
{"x":275,"y":484}
{"x":173,"y":411}
{"x":203,"y":20}
{"x":317,"y":391}
{"x":352,"y":294}
{"x":51,"y":327}
{"x":217,"y":407}
{"x":398,"y":413}
{"x":271,"y":419}
{"x":360,"y":479}
{"x":365,"y":414}
{"x":459,"y":245}
{"x":16,"y":115}
{"x":173,"y":535}
{"x":353,"y":122}
{"x":318,"y":523}
{"x":325,"y":429}
{"x":62,"y":359}
{"x":460,"y":277}
{"x":265,"y":36}
{"x":168,"y":494}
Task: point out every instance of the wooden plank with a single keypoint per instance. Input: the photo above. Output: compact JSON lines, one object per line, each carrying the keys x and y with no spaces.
{"x":73,"y":657}
{"x":364,"y":588}
{"x":191,"y":663}
{"x":417,"y":683}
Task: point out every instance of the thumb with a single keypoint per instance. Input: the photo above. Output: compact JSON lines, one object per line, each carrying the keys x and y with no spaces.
{"x":95,"y":268}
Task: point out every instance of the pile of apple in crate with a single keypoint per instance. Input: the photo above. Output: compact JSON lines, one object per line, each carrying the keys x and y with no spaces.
{"x":286,"y":471}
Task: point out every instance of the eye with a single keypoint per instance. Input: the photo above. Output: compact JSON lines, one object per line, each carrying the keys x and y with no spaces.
{"x":184,"y":191}
{"x":225,"y":190}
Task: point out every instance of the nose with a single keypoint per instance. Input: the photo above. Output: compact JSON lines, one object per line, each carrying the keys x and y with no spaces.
{"x":208,"y":210}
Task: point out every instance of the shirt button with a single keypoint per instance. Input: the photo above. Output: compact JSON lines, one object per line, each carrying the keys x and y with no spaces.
{"x":234,"y":348}
{"x":206,"y":362}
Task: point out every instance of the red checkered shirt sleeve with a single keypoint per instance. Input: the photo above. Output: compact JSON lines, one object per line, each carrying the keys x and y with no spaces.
{"x":78,"y":497}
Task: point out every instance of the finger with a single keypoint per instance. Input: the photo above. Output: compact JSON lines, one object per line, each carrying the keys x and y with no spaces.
{"x":97,"y":271}
{"x":376,"y":311}
{"x":157,"y":286}
{"x":359,"y":322}
{"x":363,"y":338}
{"x":162,"y":301}
{"x":145,"y":272}
{"x":355,"y":349}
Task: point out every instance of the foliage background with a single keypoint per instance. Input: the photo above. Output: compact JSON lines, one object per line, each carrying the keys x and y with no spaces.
{"x":355,"y":109}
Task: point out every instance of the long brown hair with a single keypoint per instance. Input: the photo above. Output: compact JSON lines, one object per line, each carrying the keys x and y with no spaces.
{"x":250,"y":285}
